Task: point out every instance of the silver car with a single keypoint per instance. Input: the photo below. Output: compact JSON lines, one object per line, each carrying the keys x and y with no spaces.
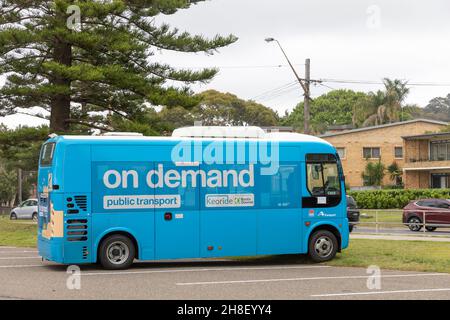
{"x":26,"y":210}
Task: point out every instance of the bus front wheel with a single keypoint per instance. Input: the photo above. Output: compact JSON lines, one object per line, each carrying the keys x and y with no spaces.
{"x":323,"y":246}
{"x":117,"y":252}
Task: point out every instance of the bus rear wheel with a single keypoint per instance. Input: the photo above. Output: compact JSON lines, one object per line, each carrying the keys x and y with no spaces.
{"x":117,"y":252}
{"x":323,"y":246}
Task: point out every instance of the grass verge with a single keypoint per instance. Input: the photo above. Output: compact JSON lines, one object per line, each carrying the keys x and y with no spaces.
{"x":396,"y":255}
{"x":17,"y":233}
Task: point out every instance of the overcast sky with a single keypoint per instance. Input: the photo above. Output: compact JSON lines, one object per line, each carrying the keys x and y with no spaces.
{"x":346,"y":39}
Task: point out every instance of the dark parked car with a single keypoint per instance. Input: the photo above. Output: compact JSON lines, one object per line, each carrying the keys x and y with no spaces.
{"x":352,"y":212}
{"x":436,"y":211}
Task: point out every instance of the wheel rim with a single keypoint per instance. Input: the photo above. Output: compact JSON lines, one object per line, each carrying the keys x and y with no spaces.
{"x":34,"y":217}
{"x":117,"y":252}
{"x":323,"y":246}
{"x":13,"y":216}
{"x":415,"y":224}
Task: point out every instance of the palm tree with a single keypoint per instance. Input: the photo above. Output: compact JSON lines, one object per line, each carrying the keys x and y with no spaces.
{"x":398,"y":87}
{"x":383,"y":106}
{"x":395,"y":173}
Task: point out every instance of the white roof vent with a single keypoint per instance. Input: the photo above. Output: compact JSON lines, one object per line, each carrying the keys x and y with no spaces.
{"x":219,"y":132}
{"x":122,"y":134}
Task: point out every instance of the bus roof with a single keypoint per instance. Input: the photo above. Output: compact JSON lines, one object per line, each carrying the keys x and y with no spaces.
{"x":274,"y":136}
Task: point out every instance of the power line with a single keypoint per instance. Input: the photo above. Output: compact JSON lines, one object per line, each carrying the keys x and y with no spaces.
{"x":275,"y":90}
{"x":327,"y":86}
{"x":371,"y":82}
{"x":282,"y":93}
{"x":241,"y":66}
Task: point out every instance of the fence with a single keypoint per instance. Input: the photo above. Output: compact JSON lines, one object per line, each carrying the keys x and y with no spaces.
{"x":417,"y":222}
{"x":5,"y":210}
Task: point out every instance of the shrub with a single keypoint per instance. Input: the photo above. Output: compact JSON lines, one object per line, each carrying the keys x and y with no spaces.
{"x":394,"y":198}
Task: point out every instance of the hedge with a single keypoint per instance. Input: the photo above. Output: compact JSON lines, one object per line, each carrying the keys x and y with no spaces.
{"x":395,"y":198}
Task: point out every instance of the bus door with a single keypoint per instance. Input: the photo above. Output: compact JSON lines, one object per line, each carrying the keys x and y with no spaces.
{"x":176,"y":211}
{"x":280,"y":216}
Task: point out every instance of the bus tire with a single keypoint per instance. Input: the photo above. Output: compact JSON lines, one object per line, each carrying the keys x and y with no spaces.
{"x":322,"y":246}
{"x":117,"y":252}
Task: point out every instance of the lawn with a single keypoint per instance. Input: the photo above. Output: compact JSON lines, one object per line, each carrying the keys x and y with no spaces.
{"x":393,"y":218}
{"x":396,"y":255}
{"x":17,"y":233}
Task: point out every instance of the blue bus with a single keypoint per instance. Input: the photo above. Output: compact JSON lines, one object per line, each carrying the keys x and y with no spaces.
{"x":220,"y":192}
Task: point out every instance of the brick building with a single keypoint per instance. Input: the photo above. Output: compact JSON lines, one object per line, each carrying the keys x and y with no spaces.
{"x":383,"y":143}
{"x":427,"y":161}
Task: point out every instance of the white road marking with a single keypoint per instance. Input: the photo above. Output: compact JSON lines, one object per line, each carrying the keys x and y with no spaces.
{"x":24,"y":251}
{"x":11,"y":258}
{"x":198,"y":270}
{"x":379,"y":292}
{"x":309,"y":279}
{"x":24,"y":266}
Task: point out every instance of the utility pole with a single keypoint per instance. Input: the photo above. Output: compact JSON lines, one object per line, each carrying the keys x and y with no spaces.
{"x":306,"y":113}
{"x":19,"y":179}
{"x":305,"y":86}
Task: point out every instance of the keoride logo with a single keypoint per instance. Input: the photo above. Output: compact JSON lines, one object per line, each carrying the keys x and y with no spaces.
{"x":229,"y":200}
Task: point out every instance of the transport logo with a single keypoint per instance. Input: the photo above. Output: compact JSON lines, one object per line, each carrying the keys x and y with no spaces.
{"x":141,"y":202}
{"x":229,"y":200}
{"x":323,"y":214}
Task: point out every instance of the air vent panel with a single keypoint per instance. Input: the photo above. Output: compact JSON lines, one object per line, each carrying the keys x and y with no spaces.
{"x":81,"y":202}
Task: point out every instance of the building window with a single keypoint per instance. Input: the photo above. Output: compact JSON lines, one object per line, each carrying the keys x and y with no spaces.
{"x":341,"y":152}
{"x":398,"y":152}
{"x":439,"y":150}
{"x":371,"y":153}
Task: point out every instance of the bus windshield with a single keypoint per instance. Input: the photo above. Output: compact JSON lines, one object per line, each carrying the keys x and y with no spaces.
{"x":323,"y":176}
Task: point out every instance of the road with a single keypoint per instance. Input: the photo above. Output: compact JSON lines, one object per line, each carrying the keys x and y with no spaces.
{"x":24,"y":276}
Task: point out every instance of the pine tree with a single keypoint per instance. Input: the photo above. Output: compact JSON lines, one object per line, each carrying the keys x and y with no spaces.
{"x":75,"y":57}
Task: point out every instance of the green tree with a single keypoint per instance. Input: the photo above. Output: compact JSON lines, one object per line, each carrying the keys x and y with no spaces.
{"x":8,"y":185}
{"x":373,"y":173}
{"x":226,"y":109}
{"x":19,"y":148}
{"x":333,"y":108}
{"x":77,"y":71}
{"x":438,"y":109}
{"x":214,"y":108}
{"x":177,"y":117}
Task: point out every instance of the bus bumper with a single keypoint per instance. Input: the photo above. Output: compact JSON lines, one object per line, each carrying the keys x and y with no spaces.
{"x":51,"y":250}
{"x":345,"y":235}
